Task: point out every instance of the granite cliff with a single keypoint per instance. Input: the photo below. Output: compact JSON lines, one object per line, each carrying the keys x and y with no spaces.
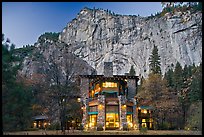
{"x":98,"y":36}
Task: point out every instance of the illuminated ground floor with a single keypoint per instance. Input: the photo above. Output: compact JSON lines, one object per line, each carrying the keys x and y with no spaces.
{"x":111,"y":120}
{"x":115,"y":113}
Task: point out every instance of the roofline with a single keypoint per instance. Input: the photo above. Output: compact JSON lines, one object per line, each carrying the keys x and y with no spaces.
{"x":114,"y":76}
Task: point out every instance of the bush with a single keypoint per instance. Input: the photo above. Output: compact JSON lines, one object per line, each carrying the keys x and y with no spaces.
{"x":125,"y":126}
{"x":194,"y":116}
{"x":54,"y":126}
{"x":80,"y":127}
{"x":99,"y":127}
{"x":143,"y":129}
{"x":164,"y":126}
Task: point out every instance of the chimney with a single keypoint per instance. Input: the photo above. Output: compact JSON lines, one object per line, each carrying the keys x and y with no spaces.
{"x":108,"y":69}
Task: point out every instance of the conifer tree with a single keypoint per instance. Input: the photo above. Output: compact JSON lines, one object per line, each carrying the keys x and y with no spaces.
{"x":169,"y":77}
{"x":178,"y":78}
{"x":155,"y":61}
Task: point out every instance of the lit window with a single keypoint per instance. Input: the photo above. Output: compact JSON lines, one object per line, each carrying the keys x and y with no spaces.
{"x":144,"y":125}
{"x":109,"y":84}
{"x":143,"y":120}
{"x":144,"y":111}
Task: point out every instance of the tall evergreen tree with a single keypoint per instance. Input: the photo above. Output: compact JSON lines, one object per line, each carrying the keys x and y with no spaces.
{"x":16,"y":98}
{"x":196,"y":85}
{"x":178,"y":78}
{"x":155,"y":61}
{"x":169,"y":77}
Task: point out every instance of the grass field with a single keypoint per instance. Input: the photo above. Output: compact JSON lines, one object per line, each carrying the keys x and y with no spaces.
{"x":108,"y":132}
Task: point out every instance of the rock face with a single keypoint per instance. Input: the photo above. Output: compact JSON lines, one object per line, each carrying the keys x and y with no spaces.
{"x":53,"y":59}
{"x":97,"y":36}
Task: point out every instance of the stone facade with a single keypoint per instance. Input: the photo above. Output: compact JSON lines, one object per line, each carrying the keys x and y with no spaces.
{"x":109,"y":101}
{"x":135,"y":115}
{"x":101,"y":111}
{"x":122,"y":109}
{"x":131,"y":88}
{"x":108,"y":69}
{"x":84,"y":88}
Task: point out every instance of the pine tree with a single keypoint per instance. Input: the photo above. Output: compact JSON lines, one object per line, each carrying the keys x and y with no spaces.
{"x":196,"y":85}
{"x":155,"y":61}
{"x":178,"y":78}
{"x":132,"y":71}
{"x":169,"y":77}
{"x":16,"y":98}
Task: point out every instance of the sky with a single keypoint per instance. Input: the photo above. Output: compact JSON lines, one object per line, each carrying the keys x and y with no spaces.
{"x":24,"y":22}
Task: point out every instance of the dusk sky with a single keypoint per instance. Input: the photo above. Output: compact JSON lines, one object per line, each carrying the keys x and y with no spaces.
{"x":24,"y":22}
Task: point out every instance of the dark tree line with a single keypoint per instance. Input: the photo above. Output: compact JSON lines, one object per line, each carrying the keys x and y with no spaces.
{"x":172,"y":94}
{"x":16,"y":97}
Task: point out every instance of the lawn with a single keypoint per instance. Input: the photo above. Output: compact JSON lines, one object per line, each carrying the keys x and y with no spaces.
{"x":108,"y":132}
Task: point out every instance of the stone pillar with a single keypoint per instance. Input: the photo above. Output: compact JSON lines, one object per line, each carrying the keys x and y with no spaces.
{"x":84,"y":93}
{"x":85,"y":113}
{"x":135,"y":115}
{"x":101,"y":112}
{"x":131,"y":88}
{"x":108,"y":69}
{"x":123,"y":111}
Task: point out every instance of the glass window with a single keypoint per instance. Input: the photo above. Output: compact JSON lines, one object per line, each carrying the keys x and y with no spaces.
{"x":111,"y":108}
{"x":129,"y":109}
{"x":144,"y":111}
{"x":129,"y":118}
{"x":93,"y":120}
{"x":112,"y":120}
{"x":93,"y":108}
{"x":109,"y":84}
{"x":111,"y":95}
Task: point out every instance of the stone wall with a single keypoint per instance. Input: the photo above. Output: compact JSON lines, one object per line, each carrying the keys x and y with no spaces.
{"x":108,"y":69}
{"x":84,"y":88}
{"x":122,"y":111}
{"x":131,"y":83}
{"x":101,"y":112}
{"x":135,"y":115}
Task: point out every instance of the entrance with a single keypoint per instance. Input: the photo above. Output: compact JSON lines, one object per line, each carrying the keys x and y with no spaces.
{"x":112,"y":120}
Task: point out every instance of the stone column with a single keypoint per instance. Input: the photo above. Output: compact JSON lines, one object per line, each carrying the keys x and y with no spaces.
{"x":85,"y":113}
{"x":135,"y":115}
{"x":123,"y":111}
{"x":101,"y":112}
{"x":84,"y":88}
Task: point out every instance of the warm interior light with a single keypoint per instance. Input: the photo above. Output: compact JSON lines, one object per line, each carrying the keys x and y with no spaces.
{"x":78,"y":99}
{"x":34,"y":124}
{"x":144,"y":111}
{"x":110,"y":116}
{"x":143,"y":120}
{"x":124,"y":105}
{"x":130,"y":124}
{"x":117,"y":124}
{"x":100,"y":106}
{"x":45,"y":124}
{"x":109,"y":84}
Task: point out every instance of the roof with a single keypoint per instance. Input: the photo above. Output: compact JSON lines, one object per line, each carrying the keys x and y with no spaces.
{"x":114,"y":76}
{"x":146,"y":107}
{"x":39,"y":117}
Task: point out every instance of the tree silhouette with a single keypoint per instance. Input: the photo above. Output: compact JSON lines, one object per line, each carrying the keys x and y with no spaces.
{"x":155,"y":61}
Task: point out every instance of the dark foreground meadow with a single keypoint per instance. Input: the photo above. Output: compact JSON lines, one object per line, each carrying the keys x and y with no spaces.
{"x":108,"y":132}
